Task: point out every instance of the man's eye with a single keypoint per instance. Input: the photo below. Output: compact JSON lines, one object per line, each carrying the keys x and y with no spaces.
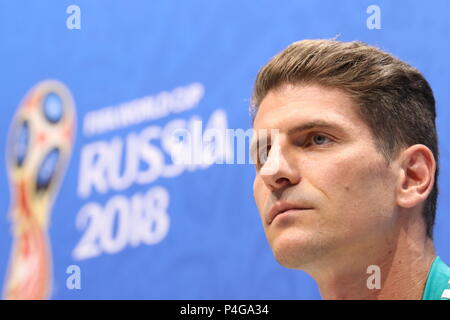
{"x":263,"y":154}
{"x":319,"y":139}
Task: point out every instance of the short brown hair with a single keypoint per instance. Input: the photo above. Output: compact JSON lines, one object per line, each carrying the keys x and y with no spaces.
{"x":394,"y":99}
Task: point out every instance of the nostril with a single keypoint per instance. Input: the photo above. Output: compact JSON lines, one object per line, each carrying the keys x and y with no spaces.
{"x":282,"y":181}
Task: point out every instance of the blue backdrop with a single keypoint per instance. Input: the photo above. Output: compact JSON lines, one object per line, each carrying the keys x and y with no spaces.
{"x":198,"y":60}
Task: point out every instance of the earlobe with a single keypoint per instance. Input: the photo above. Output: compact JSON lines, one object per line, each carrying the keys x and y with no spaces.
{"x":416,"y":177}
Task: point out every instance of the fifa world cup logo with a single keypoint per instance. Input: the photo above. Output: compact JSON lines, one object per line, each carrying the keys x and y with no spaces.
{"x":39,"y":145}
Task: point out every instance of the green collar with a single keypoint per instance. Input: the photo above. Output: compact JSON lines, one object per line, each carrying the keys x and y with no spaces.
{"x":438,"y":282}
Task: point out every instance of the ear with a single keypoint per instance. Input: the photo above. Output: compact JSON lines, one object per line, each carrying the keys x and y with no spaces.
{"x":416,"y":179}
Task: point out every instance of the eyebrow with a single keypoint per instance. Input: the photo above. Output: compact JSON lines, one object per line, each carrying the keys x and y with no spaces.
{"x":314,"y":124}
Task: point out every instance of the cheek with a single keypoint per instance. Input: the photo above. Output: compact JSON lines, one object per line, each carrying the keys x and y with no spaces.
{"x":353,"y":183}
{"x":260,"y":193}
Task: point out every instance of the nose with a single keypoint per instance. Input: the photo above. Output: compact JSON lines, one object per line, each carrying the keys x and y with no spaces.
{"x":279,"y":171}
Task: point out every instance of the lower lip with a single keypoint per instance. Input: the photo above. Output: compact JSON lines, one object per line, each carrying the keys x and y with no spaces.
{"x":288,"y":212}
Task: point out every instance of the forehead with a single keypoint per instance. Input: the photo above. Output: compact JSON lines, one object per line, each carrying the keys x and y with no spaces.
{"x":290,"y":105}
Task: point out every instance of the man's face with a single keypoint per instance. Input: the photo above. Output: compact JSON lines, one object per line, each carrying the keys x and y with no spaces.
{"x":335,"y":171}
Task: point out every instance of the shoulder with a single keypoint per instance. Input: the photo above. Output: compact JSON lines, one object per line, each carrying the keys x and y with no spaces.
{"x":438,"y":282}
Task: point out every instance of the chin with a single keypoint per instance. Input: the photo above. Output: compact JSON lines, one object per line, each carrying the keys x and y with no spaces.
{"x":297,"y":250}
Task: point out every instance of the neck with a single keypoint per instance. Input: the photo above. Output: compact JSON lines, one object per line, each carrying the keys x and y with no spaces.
{"x":401,"y":265}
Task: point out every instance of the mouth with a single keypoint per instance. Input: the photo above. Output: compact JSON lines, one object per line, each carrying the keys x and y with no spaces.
{"x":283,"y":207}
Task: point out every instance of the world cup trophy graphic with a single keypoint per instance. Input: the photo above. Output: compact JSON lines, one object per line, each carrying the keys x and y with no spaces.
{"x":39,"y":145}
